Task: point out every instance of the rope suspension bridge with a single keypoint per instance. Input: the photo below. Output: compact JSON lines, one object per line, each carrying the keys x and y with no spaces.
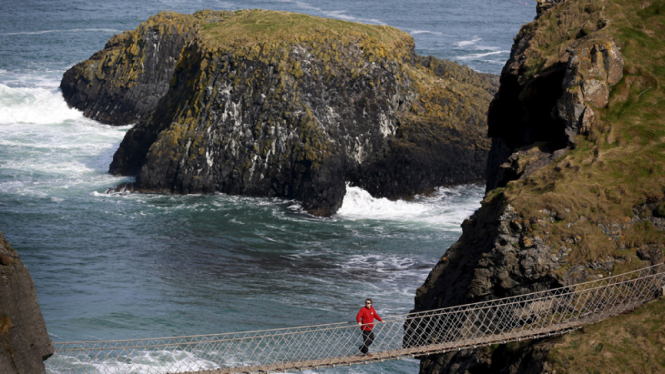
{"x":535,"y":315}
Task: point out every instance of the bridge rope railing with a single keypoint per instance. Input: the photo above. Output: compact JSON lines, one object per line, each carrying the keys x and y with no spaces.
{"x":537,"y":314}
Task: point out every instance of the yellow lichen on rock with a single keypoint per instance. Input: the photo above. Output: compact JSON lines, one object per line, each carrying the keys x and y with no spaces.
{"x":281,"y":104}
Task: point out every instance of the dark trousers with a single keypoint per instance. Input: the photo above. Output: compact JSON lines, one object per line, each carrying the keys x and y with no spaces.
{"x":368,"y":339}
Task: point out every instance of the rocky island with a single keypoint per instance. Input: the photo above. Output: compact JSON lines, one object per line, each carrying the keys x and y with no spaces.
{"x":266,"y":103}
{"x":575,"y":187}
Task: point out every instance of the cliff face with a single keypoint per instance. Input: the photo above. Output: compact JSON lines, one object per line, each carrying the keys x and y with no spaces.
{"x":549,"y":97}
{"x":266,"y":103}
{"x":25,"y":342}
{"x":123,"y":83}
{"x":575,"y":182}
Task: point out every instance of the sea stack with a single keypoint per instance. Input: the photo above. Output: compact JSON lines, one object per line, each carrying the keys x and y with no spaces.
{"x":266,"y":103}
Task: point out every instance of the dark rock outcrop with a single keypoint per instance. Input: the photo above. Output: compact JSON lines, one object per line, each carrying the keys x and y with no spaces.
{"x":555,"y":104}
{"x":545,"y":5}
{"x":294,"y":108}
{"x":123,"y":83}
{"x":25,"y":342}
{"x":557,"y":211}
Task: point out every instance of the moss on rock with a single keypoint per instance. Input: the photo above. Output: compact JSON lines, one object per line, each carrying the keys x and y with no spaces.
{"x":270,"y":103}
{"x":575,"y":171}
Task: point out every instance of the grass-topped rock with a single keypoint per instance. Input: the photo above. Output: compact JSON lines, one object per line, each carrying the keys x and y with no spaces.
{"x":576,"y":176}
{"x":267,"y":103}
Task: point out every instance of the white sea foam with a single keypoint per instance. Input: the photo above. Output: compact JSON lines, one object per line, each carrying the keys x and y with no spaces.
{"x":47,"y":79}
{"x":49,"y":148}
{"x":339,"y":14}
{"x":483,"y":51}
{"x":447,"y":207}
{"x":142,"y":362}
{"x":59,"y":31}
{"x":358,"y":203}
{"x":381,"y":263}
{"x":466,"y":43}
{"x":34,"y":105}
{"x":478,"y":56}
{"x":397,"y":274}
{"x":417,"y":32}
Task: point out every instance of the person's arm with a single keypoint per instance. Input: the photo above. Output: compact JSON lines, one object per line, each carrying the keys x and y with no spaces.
{"x":377,"y":316}
{"x":359,"y":317}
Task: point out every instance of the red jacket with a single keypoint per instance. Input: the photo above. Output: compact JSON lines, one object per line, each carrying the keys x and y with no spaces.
{"x":366,"y":317}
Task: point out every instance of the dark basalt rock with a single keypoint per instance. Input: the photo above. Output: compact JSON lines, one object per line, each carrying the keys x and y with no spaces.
{"x":25,"y":342}
{"x":123,"y":83}
{"x":300,"y":114}
{"x":554,"y":105}
{"x":543,"y":104}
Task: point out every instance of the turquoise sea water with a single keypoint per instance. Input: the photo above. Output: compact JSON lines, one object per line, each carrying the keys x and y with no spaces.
{"x":136,"y":266}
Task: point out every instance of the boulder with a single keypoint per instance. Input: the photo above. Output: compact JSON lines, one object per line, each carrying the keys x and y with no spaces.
{"x":593,"y":68}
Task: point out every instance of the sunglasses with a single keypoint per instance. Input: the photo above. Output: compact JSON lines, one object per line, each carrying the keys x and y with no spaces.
{"x":368,"y":303}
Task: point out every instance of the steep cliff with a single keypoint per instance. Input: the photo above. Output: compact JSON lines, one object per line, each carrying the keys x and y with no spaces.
{"x":266,"y":103}
{"x":575,"y":177}
{"x":25,"y":343}
{"x":123,"y":83}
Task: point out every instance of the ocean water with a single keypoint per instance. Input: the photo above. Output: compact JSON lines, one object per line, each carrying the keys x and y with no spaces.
{"x":138,"y":266}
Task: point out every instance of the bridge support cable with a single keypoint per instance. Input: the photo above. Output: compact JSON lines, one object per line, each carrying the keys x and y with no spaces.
{"x":534,"y":315}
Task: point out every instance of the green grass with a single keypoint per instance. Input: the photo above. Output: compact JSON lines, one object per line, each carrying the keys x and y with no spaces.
{"x":629,"y":343}
{"x":621,"y":163}
{"x":556,"y":30}
{"x":250,"y":27}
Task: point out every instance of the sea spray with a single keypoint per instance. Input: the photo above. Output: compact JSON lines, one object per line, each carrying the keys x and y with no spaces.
{"x":445,"y":207}
{"x":49,"y":149}
{"x":34,"y":105}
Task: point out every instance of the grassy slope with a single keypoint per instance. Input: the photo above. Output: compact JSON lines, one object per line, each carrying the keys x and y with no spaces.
{"x":268,"y":36}
{"x":629,"y":343}
{"x":252,"y":27}
{"x":621,"y":164}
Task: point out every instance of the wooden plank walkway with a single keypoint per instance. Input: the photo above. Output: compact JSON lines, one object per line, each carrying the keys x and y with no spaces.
{"x":401,"y":353}
{"x":511,"y":336}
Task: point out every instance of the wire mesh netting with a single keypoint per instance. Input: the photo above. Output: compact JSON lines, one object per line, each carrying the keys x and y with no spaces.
{"x":532,"y":315}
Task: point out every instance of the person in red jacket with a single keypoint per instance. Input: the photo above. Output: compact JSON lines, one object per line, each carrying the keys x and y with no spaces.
{"x":365,"y":319}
